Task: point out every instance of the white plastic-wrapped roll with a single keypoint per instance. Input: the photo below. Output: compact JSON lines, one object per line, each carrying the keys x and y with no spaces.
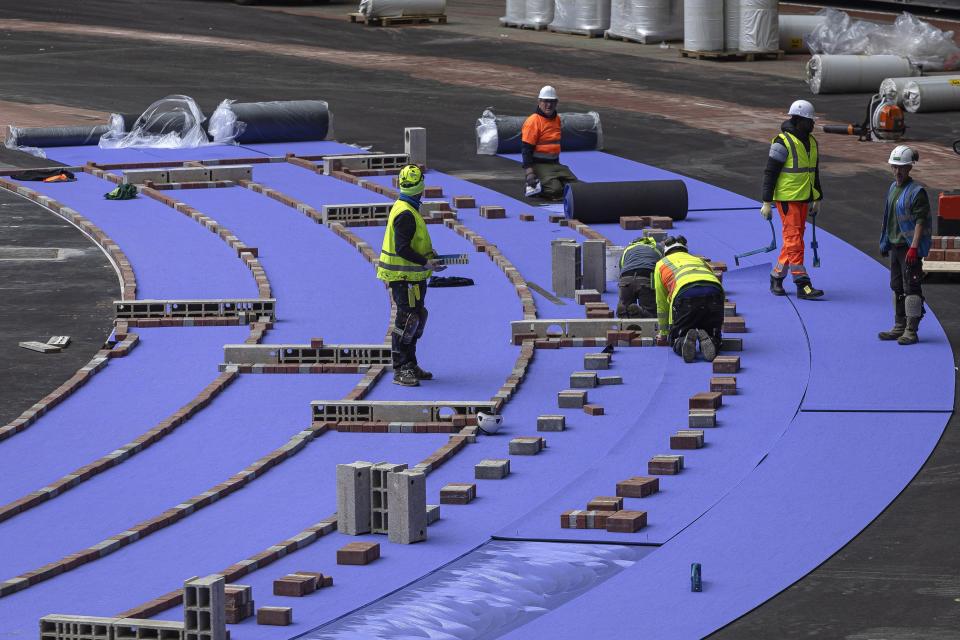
{"x":794,"y":30}
{"x":731,"y":25}
{"x":647,"y":21}
{"x":894,"y":87}
{"x":759,"y":27}
{"x":516,"y":12}
{"x":940,"y":94}
{"x":539,"y":12}
{"x":400,"y":8}
{"x":702,"y":25}
{"x":854,"y":74}
{"x":584,"y":16}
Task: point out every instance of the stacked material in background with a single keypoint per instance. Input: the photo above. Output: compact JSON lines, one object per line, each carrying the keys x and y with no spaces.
{"x":646,"y":21}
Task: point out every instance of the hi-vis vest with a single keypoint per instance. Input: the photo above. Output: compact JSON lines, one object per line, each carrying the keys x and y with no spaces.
{"x":544,"y":135}
{"x":392,"y":267}
{"x":797,"y":178}
{"x":673,"y":273}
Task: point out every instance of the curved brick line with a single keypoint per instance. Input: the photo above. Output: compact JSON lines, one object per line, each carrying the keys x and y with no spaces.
{"x":72,"y":384}
{"x":119,"y":261}
{"x":114,"y":458}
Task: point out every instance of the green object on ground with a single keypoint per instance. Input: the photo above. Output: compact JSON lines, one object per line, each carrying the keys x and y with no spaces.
{"x":122,"y":192}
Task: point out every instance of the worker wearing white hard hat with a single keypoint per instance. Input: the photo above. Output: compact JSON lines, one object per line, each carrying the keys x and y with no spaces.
{"x":540,"y":147}
{"x":906,"y":238}
{"x":792,"y":181}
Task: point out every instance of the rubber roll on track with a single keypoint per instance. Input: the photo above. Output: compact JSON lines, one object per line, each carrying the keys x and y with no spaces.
{"x":57,"y":136}
{"x":599,"y":202}
{"x":578,"y":132}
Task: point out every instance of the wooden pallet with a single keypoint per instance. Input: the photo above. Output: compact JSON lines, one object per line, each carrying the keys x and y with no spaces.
{"x":521,"y":25}
{"x":612,"y":36}
{"x":396,"y":20}
{"x":590,"y":33}
{"x":722,"y":56}
{"x":940,"y":266}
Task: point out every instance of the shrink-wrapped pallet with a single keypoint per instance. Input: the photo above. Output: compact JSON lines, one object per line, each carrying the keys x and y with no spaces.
{"x":646,"y":21}
{"x":590,"y":17}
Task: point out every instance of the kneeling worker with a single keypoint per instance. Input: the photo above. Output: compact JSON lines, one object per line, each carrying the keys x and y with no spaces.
{"x":406,"y":261}
{"x":689,"y":301}
{"x":906,"y":238}
{"x":637,"y":297}
{"x":540,"y":147}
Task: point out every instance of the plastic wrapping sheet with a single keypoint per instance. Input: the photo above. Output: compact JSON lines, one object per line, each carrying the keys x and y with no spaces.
{"x":583,"y":16}
{"x":400,"y":8}
{"x":759,"y":27}
{"x":854,"y":74}
{"x":175,"y":122}
{"x":538,"y":13}
{"x":501,"y":134}
{"x":516,"y":12}
{"x":703,"y":25}
{"x":940,"y":94}
{"x":646,"y":20}
{"x":280,"y":121}
{"x":909,"y":37}
{"x":731,"y":25}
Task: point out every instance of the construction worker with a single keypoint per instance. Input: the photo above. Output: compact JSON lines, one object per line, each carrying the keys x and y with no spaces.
{"x":637,"y":297}
{"x":406,"y":261}
{"x":905,"y":237}
{"x":540,"y":147}
{"x":689,"y":302}
{"x":792,"y":180}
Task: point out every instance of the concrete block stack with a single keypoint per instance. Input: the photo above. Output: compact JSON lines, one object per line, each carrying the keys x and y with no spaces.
{"x":382,"y":498}
{"x":565,"y":259}
{"x":665,"y":465}
{"x":353,"y":498}
{"x":596,"y":361}
{"x":407,"y":506}
{"x":379,"y":496}
{"x":204,"y":608}
{"x":638,"y":487}
{"x":583,"y":380}
{"x":595,"y":265}
{"x":687,"y":439}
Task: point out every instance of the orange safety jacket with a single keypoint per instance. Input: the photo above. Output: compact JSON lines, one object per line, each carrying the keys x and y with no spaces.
{"x":544,"y":135}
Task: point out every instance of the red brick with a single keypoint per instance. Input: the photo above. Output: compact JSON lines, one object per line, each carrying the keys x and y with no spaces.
{"x":734,"y":324}
{"x":593,"y":409}
{"x":464,"y":202}
{"x":295,"y":585}
{"x":726,"y":364}
{"x":277,"y":616}
{"x":706,"y":400}
{"x":605,"y":503}
{"x":358,"y":553}
{"x":626,"y":521}
{"x":726,"y":385}
{"x":458,"y":493}
{"x":638,"y":487}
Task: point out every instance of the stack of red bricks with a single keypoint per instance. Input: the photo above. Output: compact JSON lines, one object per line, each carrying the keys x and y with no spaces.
{"x":636,"y":223}
{"x":626,"y":338}
{"x":598,"y":310}
{"x":239,"y":602}
{"x":604,"y":512}
{"x":944,"y":249}
{"x":301,"y":583}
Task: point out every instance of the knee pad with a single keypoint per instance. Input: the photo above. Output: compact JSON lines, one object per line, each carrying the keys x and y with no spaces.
{"x":407,"y":325}
{"x":421,"y":321}
{"x":913,"y":305}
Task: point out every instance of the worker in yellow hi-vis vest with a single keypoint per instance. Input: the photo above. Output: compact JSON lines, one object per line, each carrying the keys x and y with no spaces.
{"x":406,"y":261}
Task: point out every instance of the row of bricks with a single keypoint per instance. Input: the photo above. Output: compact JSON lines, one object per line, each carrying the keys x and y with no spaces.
{"x":124,"y":347}
{"x":299,"y":368}
{"x":632,"y":223}
{"x":228,"y":321}
{"x":127,"y":277}
{"x":370,"y":378}
{"x":257,"y":331}
{"x":432,"y":462}
{"x":943,"y":255}
{"x":945,"y":242}
{"x":516,"y":377}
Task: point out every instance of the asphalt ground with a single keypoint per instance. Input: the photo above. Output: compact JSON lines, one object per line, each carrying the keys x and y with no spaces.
{"x":899,"y":579}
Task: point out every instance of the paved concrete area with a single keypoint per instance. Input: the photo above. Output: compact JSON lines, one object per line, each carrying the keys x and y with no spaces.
{"x":710,"y":121}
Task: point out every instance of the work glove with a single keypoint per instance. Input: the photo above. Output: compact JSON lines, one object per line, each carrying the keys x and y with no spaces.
{"x":766,"y":211}
{"x":815,"y":208}
{"x":436,"y":265}
{"x":912,"y":256}
{"x":532,"y":179}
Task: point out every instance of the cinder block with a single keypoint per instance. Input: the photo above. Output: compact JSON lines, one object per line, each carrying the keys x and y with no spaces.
{"x":295,"y":585}
{"x":233,"y":172}
{"x":551,"y":423}
{"x":565,"y":265}
{"x":706,"y":400}
{"x":464,"y":202}
{"x":141,"y":176}
{"x":204,"y":606}
{"x":593,"y":409}
{"x":358,"y":553}
{"x":527,"y":217}
{"x":527,"y":446}
{"x":605,"y":503}
{"x":583,"y":296}
{"x":407,"y":507}
{"x":626,"y":521}
{"x":607,"y":380}
{"x":571,"y":399}
{"x":433,"y":513}
{"x":581,"y":519}
{"x":687,"y":439}
{"x":458,"y":493}
{"x":276,"y":616}
{"x":638,"y":487}
{"x":665,"y":465}
{"x":726,"y":364}
{"x":583,"y":380}
{"x":491,"y":469}
{"x":595,"y":265}
{"x":353,"y":498}
{"x":700,"y":418}
{"x":726,"y":385}
{"x":188,"y":174}
{"x":596,"y":361}
{"x":415,"y":145}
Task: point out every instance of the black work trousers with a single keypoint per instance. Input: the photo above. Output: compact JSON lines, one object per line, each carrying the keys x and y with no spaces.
{"x":408,"y":326}
{"x":905,"y":278}
{"x":698,"y":312}
{"x":637,"y":297}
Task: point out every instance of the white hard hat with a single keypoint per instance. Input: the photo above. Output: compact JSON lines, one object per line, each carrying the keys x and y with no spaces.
{"x":803,"y":109}
{"x":547,"y":93}
{"x":903,"y":155}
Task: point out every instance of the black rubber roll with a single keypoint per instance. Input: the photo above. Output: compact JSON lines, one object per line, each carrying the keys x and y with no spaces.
{"x":56,"y":136}
{"x":578,"y":132}
{"x":290,"y":121}
{"x":600,"y":202}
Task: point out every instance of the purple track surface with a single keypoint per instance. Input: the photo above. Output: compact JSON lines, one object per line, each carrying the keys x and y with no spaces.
{"x":792,"y":460}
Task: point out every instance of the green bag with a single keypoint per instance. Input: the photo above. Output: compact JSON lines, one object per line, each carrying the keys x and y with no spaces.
{"x":122,"y":192}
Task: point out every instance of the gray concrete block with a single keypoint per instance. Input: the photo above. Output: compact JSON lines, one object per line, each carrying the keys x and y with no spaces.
{"x":491,"y":469}
{"x":204,"y":607}
{"x":551,"y":423}
{"x":232,"y":172}
{"x":188,"y":174}
{"x":433,"y":513}
{"x":571,"y":399}
{"x":605,"y":380}
{"x":407,"y":491}
{"x":596,"y":361}
{"x":527,"y":446}
{"x":700,"y":418}
{"x":583,"y":380}
{"x":415,"y":145}
{"x":595,"y":265}
{"x":353,"y":498}
{"x":140,"y":176}
{"x":583,"y":296}
{"x":565,"y":267}
{"x":656,"y":234}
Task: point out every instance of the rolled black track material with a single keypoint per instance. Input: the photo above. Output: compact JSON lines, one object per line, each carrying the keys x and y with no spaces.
{"x":578,"y":132}
{"x":290,"y":121}
{"x":606,"y":202}
{"x":57,"y":136}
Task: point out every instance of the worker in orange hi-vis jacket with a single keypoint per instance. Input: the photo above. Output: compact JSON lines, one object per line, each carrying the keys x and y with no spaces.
{"x":540,"y":148}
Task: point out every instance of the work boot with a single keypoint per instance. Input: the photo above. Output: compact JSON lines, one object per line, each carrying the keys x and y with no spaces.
{"x":689,"y":347}
{"x":406,"y":377}
{"x":776,"y":286}
{"x":899,"y":319}
{"x":421,"y":374}
{"x":910,"y":332}
{"x":708,"y":348}
{"x":806,"y":291}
